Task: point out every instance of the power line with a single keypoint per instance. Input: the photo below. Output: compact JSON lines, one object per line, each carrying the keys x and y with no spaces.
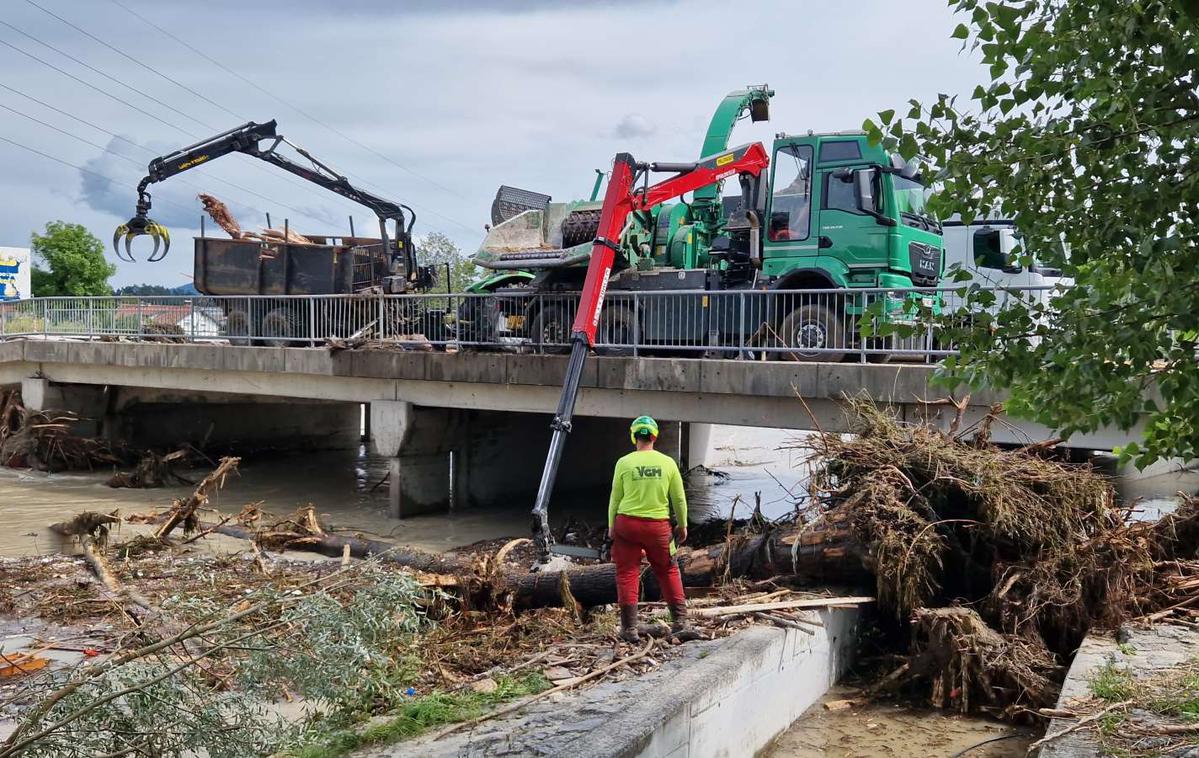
{"x":86,"y":83}
{"x":125,"y":55}
{"x":110,"y":78}
{"x":104,"y":149}
{"x":96,"y":174}
{"x":299,"y":110}
{"x":128,"y":104}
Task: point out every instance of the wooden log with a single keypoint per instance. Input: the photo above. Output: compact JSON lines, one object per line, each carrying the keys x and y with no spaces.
{"x":132,"y":603}
{"x":817,"y":552}
{"x":185,"y":510}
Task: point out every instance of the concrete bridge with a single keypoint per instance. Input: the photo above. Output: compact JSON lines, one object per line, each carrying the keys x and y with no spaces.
{"x":461,"y":428}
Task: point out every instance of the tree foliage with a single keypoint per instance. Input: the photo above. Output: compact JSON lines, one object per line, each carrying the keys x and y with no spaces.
{"x":1087,"y":133}
{"x":438,"y":250}
{"x":69,"y":260}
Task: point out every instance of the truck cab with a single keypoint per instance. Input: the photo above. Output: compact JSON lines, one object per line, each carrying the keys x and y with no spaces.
{"x":835,"y":214}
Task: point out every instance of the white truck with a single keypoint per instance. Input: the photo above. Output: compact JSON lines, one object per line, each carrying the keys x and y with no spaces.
{"x":984,"y":249}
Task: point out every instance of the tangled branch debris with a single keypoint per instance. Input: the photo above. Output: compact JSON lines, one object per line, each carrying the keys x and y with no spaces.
{"x":44,"y":440}
{"x":1036,"y":549}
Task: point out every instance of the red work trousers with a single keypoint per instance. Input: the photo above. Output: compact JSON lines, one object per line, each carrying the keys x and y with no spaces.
{"x":632,"y":536}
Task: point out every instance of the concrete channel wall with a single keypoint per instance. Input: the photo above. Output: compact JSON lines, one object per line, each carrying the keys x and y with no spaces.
{"x":720,"y":699}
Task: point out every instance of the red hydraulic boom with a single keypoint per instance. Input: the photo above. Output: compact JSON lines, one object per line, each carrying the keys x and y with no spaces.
{"x":622,"y":198}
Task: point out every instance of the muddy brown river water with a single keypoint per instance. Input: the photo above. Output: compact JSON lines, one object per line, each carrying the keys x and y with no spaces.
{"x":344,"y":487}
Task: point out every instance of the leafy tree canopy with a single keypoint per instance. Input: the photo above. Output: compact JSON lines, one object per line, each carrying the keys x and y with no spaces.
{"x":1086,"y":132}
{"x":69,"y":260}
{"x":438,"y":250}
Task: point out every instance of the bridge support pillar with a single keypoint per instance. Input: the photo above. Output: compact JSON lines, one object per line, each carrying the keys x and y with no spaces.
{"x":424,"y":444}
{"x":88,"y":402}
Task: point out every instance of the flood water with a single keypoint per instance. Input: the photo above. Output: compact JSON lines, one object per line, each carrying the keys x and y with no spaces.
{"x":345,"y":487}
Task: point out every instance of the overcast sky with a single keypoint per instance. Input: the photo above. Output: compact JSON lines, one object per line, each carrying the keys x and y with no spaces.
{"x":460,"y":96}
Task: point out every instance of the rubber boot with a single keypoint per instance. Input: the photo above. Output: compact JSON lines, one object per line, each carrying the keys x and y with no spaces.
{"x":679,"y":628}
{"x":628,"y":624}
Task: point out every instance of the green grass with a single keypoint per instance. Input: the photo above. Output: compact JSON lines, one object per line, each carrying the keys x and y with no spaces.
{"x":1172,"y":695}
{"x":1112,"y":684}
{"x":419,"y":714}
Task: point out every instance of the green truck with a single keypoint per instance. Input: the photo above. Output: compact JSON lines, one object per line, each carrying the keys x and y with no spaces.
{"x":838,"y":219}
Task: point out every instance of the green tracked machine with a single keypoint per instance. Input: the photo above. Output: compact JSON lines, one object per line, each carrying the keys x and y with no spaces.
{"x":836,"y":214}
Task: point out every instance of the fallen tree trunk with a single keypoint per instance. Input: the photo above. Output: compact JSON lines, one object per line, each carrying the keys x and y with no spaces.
{"x":823,"y":550}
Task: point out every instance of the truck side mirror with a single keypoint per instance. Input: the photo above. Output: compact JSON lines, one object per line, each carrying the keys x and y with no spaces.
{"x":863,"y":180}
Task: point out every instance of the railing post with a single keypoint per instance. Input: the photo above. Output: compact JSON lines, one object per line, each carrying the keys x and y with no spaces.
{"x":636,"y":324}
{"x":191,"y":301}
{"x":741,"y":325}
{"x":139,"y":317}
{"x":861,"y":339}
{"x":312,"y":322}
{"x":382,"y":320}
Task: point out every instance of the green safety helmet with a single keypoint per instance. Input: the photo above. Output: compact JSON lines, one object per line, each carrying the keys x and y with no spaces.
{"x":643,"y":424}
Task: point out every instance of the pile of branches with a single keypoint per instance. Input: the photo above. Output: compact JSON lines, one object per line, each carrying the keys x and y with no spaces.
{"x":1027,"y":553}
{"x":44,"y":439}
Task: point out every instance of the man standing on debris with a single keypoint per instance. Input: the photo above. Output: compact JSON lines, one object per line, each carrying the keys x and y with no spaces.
{"x":645,"y":486}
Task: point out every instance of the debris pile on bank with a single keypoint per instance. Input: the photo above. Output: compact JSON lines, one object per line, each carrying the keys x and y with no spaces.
{"x":47,"y":441}
{"x":1001,"y":560}
{"x":44,"y":439}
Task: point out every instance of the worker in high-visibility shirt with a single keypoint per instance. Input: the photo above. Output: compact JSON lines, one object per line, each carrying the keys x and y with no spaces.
{"x":645,"y":486}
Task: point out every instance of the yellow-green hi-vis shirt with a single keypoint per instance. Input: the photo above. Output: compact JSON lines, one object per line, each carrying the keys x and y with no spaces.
{"x":646,"y":484}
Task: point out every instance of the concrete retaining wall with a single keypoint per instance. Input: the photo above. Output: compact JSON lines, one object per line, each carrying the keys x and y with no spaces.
{"x":720,"y":699}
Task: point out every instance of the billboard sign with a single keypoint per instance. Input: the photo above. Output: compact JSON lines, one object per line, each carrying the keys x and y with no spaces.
{"x":14,"y":273}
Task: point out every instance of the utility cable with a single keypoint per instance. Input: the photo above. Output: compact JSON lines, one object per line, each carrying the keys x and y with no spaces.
{"x":86,"y":83}
{"x":142,"y":148}
{"x":140,"y":92}
{"x":302,"y":112}
{"x":104,"y":149}
{"x":109,"y":77}
{"x":125,"y":55}
{"x":193,"y":135}
{"x":96,"y":174}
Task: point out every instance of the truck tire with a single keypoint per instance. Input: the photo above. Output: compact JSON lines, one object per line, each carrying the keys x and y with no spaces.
{"x":616,"y":328}
{"x":550,"y":330}
{"x":279,"y":328}
{"x":813,"y":326}
{"x":237,"y":327}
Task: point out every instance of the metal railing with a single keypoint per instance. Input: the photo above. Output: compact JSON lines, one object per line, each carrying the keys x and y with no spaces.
{"x":819,"y":325}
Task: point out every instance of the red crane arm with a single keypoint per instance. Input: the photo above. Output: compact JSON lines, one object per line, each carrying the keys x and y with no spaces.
{"x":621,"y":199}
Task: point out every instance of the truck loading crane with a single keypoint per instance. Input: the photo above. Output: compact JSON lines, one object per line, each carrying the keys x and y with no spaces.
{"x":838,"y":215}
{"x":248,"y":139}
{"x":624,"y":201}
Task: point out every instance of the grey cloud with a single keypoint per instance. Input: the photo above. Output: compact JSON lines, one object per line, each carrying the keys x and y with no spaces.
{"x":103,"y":189}
{"x":633,"y":126}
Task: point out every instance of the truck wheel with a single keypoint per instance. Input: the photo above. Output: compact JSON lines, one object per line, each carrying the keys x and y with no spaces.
{"x":616,"y":328}
{"x":237,"y":327}
{"x":550,"y":330}
{"x":279,"y":328}
{"x":812,"y":326}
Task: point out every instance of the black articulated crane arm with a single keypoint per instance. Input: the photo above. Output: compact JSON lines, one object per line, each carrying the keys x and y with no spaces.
{"x":248,"y":139}
{"x":622,"y":198}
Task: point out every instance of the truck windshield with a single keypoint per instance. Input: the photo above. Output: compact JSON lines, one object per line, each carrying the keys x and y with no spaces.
{"x":910,"y":196}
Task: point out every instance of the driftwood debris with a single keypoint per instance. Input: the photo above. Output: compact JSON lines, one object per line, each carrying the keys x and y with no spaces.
{"x":152,"y":471}
{"x":184,"y":511}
